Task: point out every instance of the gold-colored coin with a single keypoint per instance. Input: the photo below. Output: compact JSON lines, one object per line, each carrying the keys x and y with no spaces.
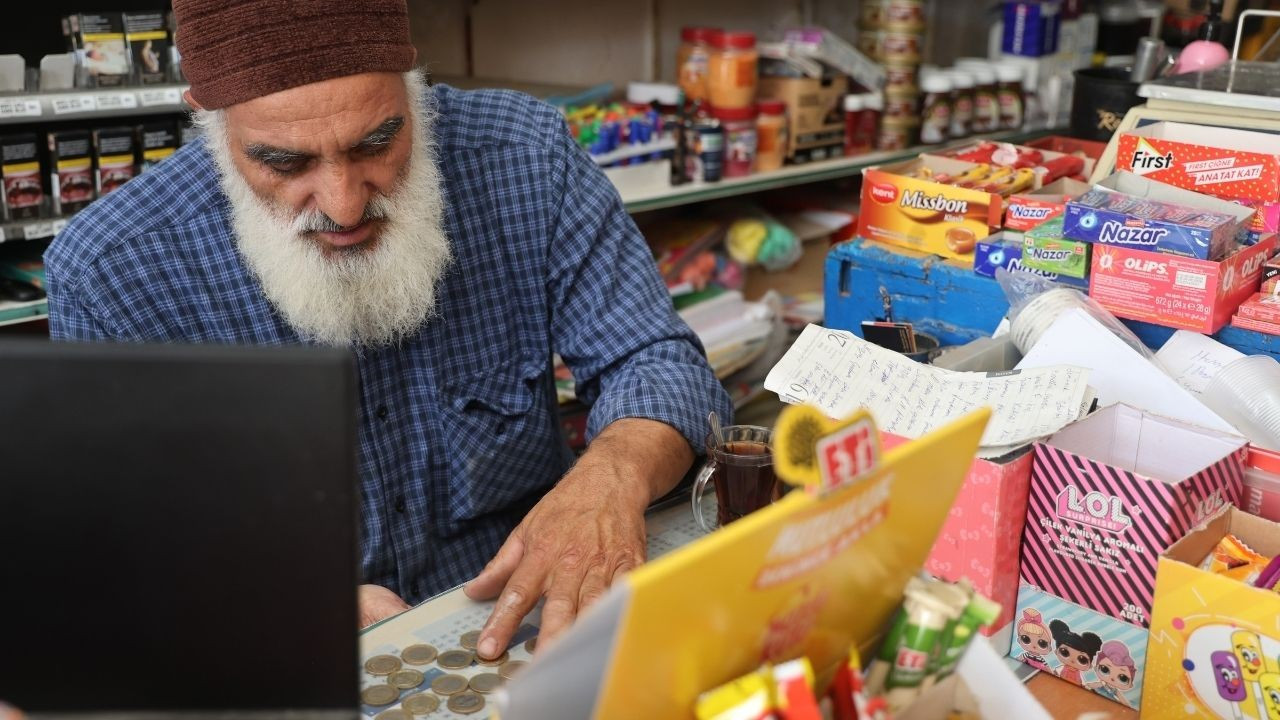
{"x":485,"y":683}
{"x":405,"y":679}
{"x":449,"y":684}
{"x":509,"y":670}
{"x":379,"y":695}
{"x":382,"y":664}
{"x":496,"y":661}
{"x":531,"y":644}
{"x":421,"y":704}
{"x":419,"y":655}
{"x":466,"y":703}
{"x":455,"y":659}
{"x":469,"y":639}
{"x":396,"y":714}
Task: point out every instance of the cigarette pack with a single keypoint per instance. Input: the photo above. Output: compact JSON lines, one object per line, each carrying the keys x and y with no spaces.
{"x":71,"y":175}
{"x":148,"y":36}
{"x":20,"y":173}
{"x":114,"y":158}
{"x":1271,"y":276}
{"x":1044,"y":248}
{"x":159,"y":141}
{"x":1134,"y":213}
{"x":99,"y":42}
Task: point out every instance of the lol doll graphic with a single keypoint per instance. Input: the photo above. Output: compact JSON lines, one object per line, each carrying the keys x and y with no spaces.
{"x":1075,"y":652}
{"x":1116,"y":672}
{"x":1034,"y":639}
{"x":1270,"y":683}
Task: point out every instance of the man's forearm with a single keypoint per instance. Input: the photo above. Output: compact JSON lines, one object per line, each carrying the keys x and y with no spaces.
{"x":645,"y":457}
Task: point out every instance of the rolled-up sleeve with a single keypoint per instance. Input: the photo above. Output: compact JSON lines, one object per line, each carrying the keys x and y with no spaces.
{"x":612,"y":318}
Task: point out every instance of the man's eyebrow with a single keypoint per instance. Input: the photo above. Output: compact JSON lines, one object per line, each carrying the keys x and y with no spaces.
{"x":271,"y":155}
{"x":383,"y":134}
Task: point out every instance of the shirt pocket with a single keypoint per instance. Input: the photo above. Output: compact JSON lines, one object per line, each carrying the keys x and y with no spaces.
{"x":501,"y":442}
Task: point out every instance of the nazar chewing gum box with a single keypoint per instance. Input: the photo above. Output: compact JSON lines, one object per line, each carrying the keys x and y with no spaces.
{"x":1027,"y":210}
{"x":1214,"y":650}
{"x":1135,"y":213}
{"x":1044,"y":248}
{"x":1110,"y":493}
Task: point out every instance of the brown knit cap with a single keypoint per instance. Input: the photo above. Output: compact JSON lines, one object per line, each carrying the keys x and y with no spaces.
{"x":238,"y":50}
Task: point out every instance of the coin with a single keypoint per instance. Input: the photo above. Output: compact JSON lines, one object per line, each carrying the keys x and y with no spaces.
{"x":419,"y":654}
{"x":485,"y":683}
{"x":382,"y":664}
{"x":469,"y":639}
{"x":508,"y":671}
{"x":455,"y":659}
{"x":397,"y":714}
{"x":496,"y":661}
{"x":421,"y":704}
{"x":466,"y":703}
{"x":449,"y":684}
{"x":378,"y":695}
{"x":405,"y":679}
{"x":531,"y":644}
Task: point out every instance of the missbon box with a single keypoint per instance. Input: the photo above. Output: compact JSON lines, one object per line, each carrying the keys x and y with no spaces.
{"x":1113,"y":491}
{"x":1132,"y":212}
{"x":1224,"y":162}
{"x":1215,"y":641}
{"x":1177,"y":292}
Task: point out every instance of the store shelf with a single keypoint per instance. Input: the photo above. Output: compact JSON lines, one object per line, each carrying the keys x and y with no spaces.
{"x":15,"y":313}
{"x":31,"y":229}
{"x":639,"y":197}
{"x":91,"y":104}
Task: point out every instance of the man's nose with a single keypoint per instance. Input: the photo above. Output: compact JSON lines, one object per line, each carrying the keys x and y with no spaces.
{"x":342,"y":194}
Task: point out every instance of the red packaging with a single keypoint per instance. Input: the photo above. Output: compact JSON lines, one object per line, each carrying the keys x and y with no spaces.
{"x":1028,"y":210}
{"x":1261,"y":307}
{"x":1259,"y":326}
{"x":1174,"y":291}
{"x":1261,"y":495}
{"x":1091,"y":149}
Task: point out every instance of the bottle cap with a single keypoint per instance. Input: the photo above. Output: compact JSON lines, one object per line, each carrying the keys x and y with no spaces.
{"x":696,"y":34}
{"x":772,"y":107}
{"x":1009,"y":73}
{"x":732,"y":39}
{"x":935,"y":82}
{"x":961,"y":79}
{"x":873,"y":101}
{"x":855,"y":103}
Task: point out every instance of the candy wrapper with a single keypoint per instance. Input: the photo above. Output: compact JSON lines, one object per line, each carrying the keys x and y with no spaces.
{"x":1236,"y":560}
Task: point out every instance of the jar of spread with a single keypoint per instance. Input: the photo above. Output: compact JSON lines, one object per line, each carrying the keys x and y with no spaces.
{"x":961,"y":103}
{"x":872,"y":112}
{"x":986,"y":108}
{"x":740,"y":140}
{"x":691,"y":62}
{"x":731,"y":69}
{"x":935,"y":113}
{"x":897,"y":133}
{"x":902,"y":15}
{"x":900,"y":104}
{"x":771,"y":135}
{"x":900,"y":77}
{"x":855,"y":143}
{"x":1009,"y":96}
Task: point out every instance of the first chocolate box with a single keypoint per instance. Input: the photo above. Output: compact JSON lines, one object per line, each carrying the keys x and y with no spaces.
{"x":1132,"y":212}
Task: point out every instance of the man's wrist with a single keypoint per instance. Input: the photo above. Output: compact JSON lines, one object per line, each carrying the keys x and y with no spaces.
{"x":643,"y":458}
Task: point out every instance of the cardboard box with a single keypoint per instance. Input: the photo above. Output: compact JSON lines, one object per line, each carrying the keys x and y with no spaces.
{"x":1261,"y":495}
{"x":919,"y":214}
{"x":1027,"y":210}
{"x":1004,"y":250}
{"x":1177,"y":292}
{"x":1261,"y":307}
{"x":1229,"y":163}
{"x":1258,"y":326}
{"x":113,"y":151}
{"x":981,"y":538}
{"x":815,"y":114}
{"x":71,"y":177}
{"x":1069,"y":146}
{"x":20,"y":177}
{"x":1132,"y":212}
{"x":1113,"y":491}
{"x":1044,"y":248}
{"x":1214,"y":640}
{"x":1079,"y":645}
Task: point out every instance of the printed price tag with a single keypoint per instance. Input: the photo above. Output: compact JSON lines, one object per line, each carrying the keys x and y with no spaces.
{"x":67,"y":104}
{"x":117,"y":101}
{"x":161,"y":96}
{"x":19,"y":108}
{"x":58,"y":225}
{"x":35,"y":230}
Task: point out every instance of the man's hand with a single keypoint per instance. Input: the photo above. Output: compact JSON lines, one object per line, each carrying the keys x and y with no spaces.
{"x":584,"y":534}
{"x":378,"y":603}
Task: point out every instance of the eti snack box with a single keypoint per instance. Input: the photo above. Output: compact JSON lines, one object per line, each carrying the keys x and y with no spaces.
{"x":1133,"y":213}
{"x":1027,"y":210}
{"x":1227,"y":163}
{"x":1044,"y":249}
{"x":1110,"y":493}
{"x":1177,"y":292}
{"x":1215,"y":643}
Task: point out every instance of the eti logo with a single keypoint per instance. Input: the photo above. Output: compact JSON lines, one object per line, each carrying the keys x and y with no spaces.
{"x":909,"y":659}
{"x":1095,"y":509}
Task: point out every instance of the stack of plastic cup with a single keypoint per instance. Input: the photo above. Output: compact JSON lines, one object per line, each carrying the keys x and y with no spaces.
{"x":1246,"y":393}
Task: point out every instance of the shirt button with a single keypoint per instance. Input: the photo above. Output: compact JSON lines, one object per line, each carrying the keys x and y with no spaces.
{"x":413,"y":588}
{"x":382,"y":412}
{"x":400,"y":503}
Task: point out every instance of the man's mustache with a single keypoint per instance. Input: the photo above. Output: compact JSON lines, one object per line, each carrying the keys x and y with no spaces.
{"x":314,"y":221}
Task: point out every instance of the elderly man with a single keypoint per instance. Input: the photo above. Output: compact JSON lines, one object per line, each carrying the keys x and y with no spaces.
{"x":455,"y":240}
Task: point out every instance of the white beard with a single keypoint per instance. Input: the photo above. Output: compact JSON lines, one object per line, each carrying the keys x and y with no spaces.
{"x":365,"y":297}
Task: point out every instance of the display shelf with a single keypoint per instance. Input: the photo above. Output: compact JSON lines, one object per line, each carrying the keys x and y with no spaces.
{"x":639,"y":197}
{"x":37,"y":229}
{"x":12,"y":313}
{"x":91,"y":104}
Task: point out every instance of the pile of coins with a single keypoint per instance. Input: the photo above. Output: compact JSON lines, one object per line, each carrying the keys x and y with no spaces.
{"x":460,"y":694}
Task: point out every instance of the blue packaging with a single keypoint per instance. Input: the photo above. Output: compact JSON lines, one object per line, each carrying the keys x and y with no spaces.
{"x":1004,"y":250}
{"x":1031,"y":27}
{"x":1138,"y":223}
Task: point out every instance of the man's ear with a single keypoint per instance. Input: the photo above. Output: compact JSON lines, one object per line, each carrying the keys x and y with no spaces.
{"x":186,"y":95}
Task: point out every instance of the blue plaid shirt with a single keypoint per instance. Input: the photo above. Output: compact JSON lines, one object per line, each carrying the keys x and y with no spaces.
{"x":458,"y":427}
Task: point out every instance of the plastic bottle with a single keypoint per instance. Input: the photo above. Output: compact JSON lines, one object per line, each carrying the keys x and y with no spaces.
{"x":691,"y":62}
{"x":771,"y":135}
{"x":732,"y":70}
{"x":740,"y":141}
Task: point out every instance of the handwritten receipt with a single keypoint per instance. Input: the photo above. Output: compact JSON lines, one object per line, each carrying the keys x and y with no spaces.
{"x":839,"y":372}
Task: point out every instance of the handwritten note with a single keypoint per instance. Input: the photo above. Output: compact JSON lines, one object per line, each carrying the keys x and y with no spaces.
{"x":1193,"y":359}
{"x":839,"y":373}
